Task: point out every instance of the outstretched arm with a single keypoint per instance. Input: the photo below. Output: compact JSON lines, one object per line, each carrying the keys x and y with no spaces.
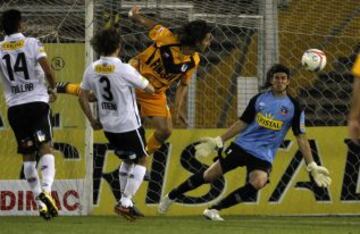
{"x":319,"y":173}
{"x":135,"y":15}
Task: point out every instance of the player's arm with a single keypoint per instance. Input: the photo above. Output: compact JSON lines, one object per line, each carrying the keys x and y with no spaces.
{"x":149,"y":89}
{"x":48,"y":73}
{"x":135,"y":15}
{"x":85,"y":106}
{"x":319,"y":173}
{"x":210,"y":144}
{"x":136,"y":80}
{"x":304,"y":147}
{"x":49,"y":76}
{"x":181,"y":92}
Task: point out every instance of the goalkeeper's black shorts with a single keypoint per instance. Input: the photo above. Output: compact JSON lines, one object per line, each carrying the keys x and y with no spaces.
{"x":235,"y":157}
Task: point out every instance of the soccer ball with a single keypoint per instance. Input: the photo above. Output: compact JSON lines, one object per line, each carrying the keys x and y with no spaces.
{"x":313,"y":60}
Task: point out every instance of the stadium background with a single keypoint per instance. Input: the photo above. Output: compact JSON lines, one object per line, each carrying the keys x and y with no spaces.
{"x":249,"y":36}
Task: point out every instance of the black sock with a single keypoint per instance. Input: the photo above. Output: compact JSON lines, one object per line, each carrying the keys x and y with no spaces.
{"x":191,"y":183}
{"x":245,"y":193}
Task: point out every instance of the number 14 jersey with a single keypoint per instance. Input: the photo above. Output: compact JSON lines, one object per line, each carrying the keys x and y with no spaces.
{"x":23,"y":77}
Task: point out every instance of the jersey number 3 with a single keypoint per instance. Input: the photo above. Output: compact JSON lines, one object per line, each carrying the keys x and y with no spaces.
{"x":107,"y":95}
{"x":20,"y":66}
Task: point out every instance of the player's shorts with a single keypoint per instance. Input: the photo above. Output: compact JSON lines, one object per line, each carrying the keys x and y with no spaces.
{"x":151,"y":105}
{"x":128,"y":143}
{"x":31,"y":125}
{"x":235,"y":157}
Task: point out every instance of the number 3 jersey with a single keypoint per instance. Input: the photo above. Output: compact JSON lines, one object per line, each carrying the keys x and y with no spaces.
{"x":23,"y":77}
{"x":269,"y":118}
{"x":113,"y":83}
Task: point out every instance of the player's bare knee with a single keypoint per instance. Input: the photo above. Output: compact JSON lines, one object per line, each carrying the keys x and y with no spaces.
{"x":27,"y":147}
{"x":209,"y":176}
{"x":142,"y":161}
{"x":45,"y":148}
{"x":258,"y":182}
{"x":163,"y":133}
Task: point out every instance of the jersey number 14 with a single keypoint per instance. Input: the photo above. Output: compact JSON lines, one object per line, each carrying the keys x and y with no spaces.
{"x":20,"y":66}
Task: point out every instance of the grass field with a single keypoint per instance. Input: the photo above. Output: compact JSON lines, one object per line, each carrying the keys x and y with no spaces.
{"x":183,"y":225}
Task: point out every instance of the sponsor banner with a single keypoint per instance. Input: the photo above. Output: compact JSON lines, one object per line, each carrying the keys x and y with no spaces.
{"x":16,"y":197}
{"x":290,"y":191}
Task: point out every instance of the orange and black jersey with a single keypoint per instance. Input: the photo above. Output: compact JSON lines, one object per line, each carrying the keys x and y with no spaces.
{"x":163,"y":63}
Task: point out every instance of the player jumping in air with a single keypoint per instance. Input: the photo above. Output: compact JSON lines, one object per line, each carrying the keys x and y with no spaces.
{"x":173,"y":57}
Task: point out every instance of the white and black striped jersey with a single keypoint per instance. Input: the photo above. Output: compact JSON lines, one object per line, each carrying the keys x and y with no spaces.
{"x":113,"y":83}
{"x":22,"y":75}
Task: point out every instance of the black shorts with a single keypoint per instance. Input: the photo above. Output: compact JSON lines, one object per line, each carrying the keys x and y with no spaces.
{"x":127,"y":143}
{"x":31,"y":125}
{"x":235,"y":157}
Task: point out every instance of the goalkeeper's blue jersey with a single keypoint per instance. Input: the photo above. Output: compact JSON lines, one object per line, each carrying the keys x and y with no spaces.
{"x":269,"y":118}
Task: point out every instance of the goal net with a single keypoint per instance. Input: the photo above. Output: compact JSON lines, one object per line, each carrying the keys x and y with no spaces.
{"x":249,"y":36}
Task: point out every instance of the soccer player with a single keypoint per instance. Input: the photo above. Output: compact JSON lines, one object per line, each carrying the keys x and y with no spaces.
{"x":260,"y":131}
{"x":354,"y":116}
{"x":112,"y":83}
{"x":23,"y":67}
{"x":171,"y":58}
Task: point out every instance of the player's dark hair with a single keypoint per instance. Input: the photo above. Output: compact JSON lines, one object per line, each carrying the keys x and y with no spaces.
{"x":276,"y":68}
{"x":10,"y":21}
{"x":106,"y":41}
{"x":193,"y":32}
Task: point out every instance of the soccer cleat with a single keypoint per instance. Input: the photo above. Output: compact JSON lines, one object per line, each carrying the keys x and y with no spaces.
{"x":128,"y":213}
{"x":43,"y":211}
{"x":50,"y":203}
{"x":212,"y":214}
{"x":135,"y":211}
{"x":165,"y":203}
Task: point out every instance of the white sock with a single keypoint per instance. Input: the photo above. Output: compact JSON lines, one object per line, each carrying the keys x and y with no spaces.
{"x":32,"y":177}
{"x":134,"y":181}
{"x":47,"y":167}
{"x":124,"y":171}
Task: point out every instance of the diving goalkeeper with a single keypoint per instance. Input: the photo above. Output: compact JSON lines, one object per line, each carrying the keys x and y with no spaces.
{"x":260,"y":131}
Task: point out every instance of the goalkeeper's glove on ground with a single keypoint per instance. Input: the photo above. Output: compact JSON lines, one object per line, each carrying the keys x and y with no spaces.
{"x":320,"y":174}
{"x":207,"y":146}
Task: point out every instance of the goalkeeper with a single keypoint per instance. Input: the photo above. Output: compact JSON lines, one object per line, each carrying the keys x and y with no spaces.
{"x":260,"y":131}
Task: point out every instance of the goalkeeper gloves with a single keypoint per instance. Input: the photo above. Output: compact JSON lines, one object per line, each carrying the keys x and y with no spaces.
{"x":320,"y":174}
{"x":208,"y":145}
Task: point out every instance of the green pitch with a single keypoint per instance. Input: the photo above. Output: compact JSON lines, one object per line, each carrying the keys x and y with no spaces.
{"x":181,"y":225}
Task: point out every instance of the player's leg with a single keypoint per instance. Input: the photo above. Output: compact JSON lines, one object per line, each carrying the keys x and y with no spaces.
{"x":72,"y":89}
{"x":130,"y":147}
{"x":193,"y":182}
{"x":154,"y":108}
{"x":20,"y":123}
{"x":42,"y":136}
{"x":163,"y":128}
{"x":257,"y":179}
